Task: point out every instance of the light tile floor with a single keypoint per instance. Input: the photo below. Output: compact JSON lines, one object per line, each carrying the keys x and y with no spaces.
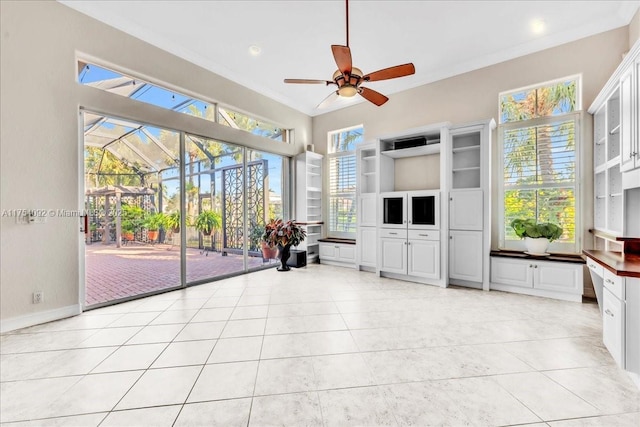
{"x":318,"y":346}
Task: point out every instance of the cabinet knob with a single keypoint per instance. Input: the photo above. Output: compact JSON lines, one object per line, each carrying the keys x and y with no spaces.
{"x":450,"y":237}
{"x":535,"y":266}
{"x":609,"y":281}
{"x":609,"y":312}
{"x":450,"y":198}
{"x":530,"y":265}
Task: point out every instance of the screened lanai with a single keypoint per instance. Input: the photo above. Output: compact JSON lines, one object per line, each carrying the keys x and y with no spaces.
{"x":137,"y":223}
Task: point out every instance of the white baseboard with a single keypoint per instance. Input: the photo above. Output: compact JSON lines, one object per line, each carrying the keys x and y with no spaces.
{"x":31,"y":319}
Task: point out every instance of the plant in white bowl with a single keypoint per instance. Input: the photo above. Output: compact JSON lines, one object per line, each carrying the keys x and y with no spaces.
{"x":537,"y":236}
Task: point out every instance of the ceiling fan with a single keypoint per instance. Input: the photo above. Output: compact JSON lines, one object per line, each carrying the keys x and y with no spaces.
{"x":349,"y":78}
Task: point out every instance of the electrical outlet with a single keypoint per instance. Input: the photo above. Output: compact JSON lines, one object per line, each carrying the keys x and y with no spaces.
{"x":38,"y":297}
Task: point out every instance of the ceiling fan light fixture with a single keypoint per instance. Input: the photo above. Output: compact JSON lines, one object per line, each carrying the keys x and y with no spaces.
{"x":347,"y":91}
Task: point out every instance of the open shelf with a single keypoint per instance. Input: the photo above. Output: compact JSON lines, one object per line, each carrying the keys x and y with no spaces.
{"x":423,"y":150}
{"x":463,"y":149}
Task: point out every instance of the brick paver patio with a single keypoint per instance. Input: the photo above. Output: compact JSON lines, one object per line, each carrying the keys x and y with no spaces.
{"x":114,"y":273}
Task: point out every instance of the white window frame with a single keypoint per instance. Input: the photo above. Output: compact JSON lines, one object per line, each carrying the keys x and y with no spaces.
{"x":332,"y":155}
{"x":577,"y":116}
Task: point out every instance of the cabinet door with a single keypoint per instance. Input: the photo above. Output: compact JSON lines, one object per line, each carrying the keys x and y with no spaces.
{"x":558,"y":277}
{"x":367,"y":244}
{"x":628,"y":148}
{"x":328,"y":251}
{"x":424,"y":258}
{"x":465,"y":255}
{"x":394,"y":255}
{"x":367,"y":210}
{"x":505,"y":271}
{"x":613,"y":326}
{"x":465,"y":210}
{"x":347,"y":253}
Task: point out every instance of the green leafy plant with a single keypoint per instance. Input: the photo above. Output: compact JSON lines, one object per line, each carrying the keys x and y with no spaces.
{"x":132,"y":218}
{"x":531,"y":228}
{"x":153,"y":222}
{"x":172,"y":221}
{"x":207,"y":221}
{"x":278,"y":232}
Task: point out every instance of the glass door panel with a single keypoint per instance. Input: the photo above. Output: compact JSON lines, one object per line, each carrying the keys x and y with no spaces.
{"x":265,"y":197}
{"x":129,"y":250}
{"x":214,"y":186}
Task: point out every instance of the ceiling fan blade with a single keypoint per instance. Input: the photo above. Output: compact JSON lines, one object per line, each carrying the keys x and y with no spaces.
{"x":342,"y":55}
{"x":309,"y":81}
{"x":372,"y":96}
{"x":391,"y":73}
{"x":333,"y":96}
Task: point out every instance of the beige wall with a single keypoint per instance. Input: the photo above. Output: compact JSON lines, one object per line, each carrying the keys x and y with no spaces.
{"x":41,"y":142}
{"x":474,"y":96}
{"x":634,"y":29}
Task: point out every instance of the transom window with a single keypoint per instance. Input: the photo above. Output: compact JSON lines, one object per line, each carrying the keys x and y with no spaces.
{"x":342,"y":181}
{"x":120,"y":84}
{"x":539,"y":140}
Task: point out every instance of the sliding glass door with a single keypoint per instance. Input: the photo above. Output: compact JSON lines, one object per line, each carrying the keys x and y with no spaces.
{"x":139,"y":218}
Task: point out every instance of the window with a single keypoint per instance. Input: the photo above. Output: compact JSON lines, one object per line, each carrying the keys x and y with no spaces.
{"x":120,"y":84}
{"x":342,"y":181}
{"x":539,"y":142}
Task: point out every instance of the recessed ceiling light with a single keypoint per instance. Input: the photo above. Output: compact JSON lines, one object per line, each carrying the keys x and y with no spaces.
{"x":538,"y":26}
{"x":255,"y":50}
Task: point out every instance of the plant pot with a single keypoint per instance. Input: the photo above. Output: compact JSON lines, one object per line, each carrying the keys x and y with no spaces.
{"x":536,"y":246}
{"x":285,"y":253}
{"x":152,"y":235}
{"x":267,"y":252}
{"x":128,"y":236}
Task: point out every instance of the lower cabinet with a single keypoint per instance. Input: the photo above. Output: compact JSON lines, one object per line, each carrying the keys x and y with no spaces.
{"x":465,"y":255}
{"x":367,"y":247}
{"x":560,"y":280}
{"x":613,"y":325}
{"x":413,"y":252}
{"x":338,"y":254}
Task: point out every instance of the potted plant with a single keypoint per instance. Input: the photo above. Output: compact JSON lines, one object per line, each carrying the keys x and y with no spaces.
{"x":173,"y":221}
{"x":283,"y":235}
{"x":132,"y":219}
{"x":207,"y":221}
{"x":153,"y":223}
{"x":537,"y":236}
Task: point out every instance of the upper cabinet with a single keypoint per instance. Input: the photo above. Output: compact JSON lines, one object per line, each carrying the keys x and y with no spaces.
{"x":629,"y":122}
{"x":616,"y":151}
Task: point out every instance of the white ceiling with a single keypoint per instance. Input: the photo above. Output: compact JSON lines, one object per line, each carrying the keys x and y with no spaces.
{"x":442,"y":38}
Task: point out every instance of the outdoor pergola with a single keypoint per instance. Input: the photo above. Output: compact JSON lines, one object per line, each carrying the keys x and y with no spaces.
{"x":117,"y":192}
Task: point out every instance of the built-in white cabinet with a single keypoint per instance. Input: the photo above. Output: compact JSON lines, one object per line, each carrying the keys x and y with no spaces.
{"x":413,"y":253}
{"x":367,"y":244}
{"x":465,"y":256}
{"x":613,"y":326}
{"x":367,"y":210}
{"x":309,"y":201}
{"x":341,"y":254}
{"x":470,"y":204}
{"x":616,"y":153}
{"x":619,"y":300}
{"x":466,"y":210}
{"x":559,"y":280}
{"x":367,"y":207}
{"x":628,"y":141}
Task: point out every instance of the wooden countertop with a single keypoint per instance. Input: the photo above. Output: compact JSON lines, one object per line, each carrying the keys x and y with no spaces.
{"x":618,"y":263}
{"x":336,"y":240}
{"x":570,"y":258}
